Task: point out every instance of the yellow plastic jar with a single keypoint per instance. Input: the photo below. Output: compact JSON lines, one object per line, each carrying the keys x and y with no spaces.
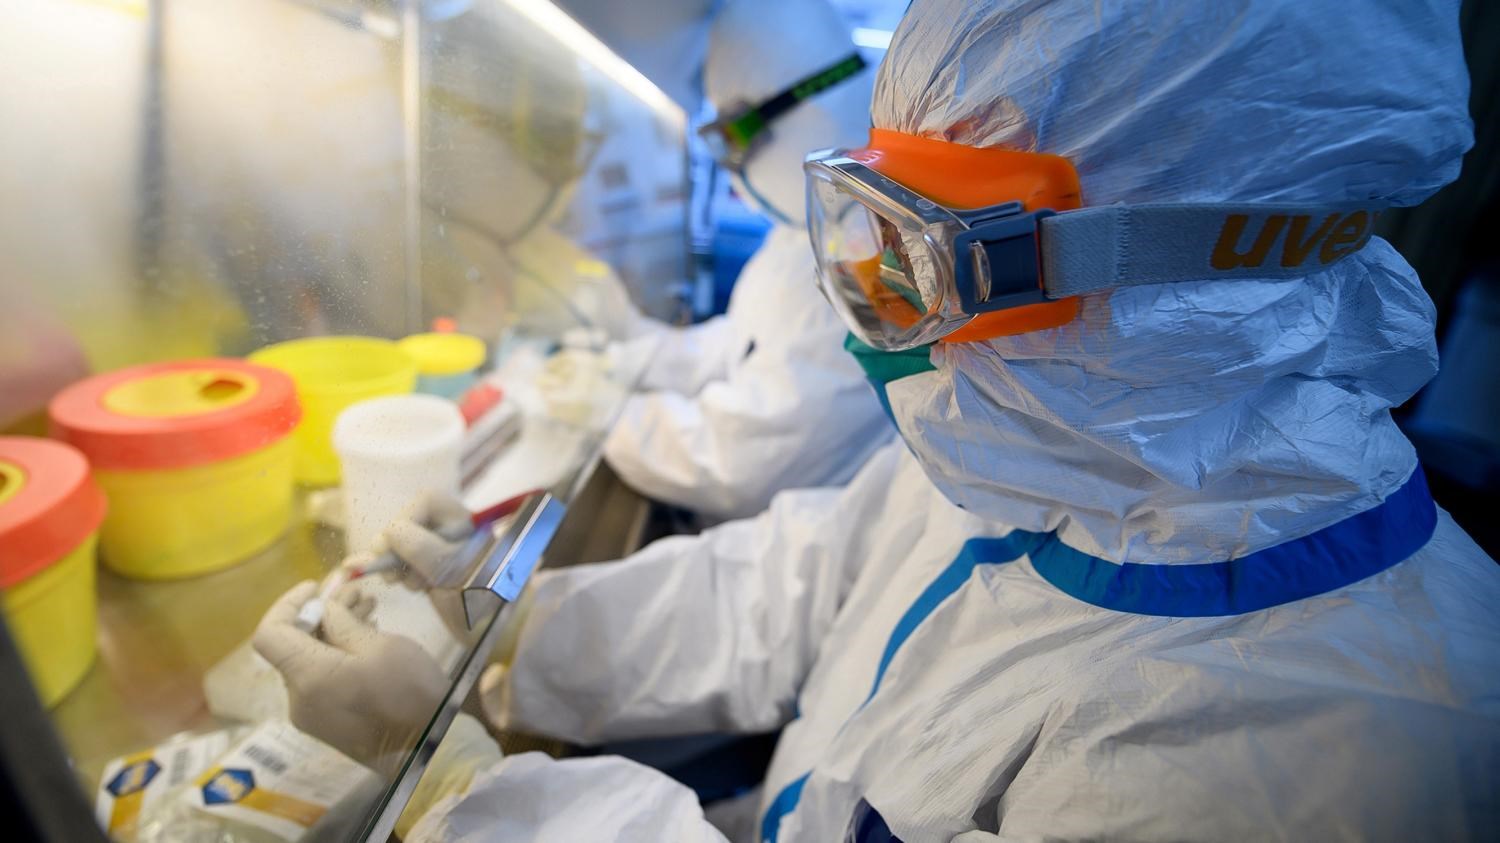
{"x":50,"y":511}
{"x":447,"y":362}
{"x":333,"y":373}
{"x":195,"y":457}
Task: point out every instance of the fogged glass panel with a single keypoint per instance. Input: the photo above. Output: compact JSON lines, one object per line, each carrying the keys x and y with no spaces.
{"x":547,"y":190}
{"x":71,"y":197}
{"x":280,"y":168}
{"x":217,"y":220}
{"x":196,"y":176}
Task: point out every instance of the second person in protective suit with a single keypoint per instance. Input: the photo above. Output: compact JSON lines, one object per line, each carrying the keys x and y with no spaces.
{"x":763,"y":398}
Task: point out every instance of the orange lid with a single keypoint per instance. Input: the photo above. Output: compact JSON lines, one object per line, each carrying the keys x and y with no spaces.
{"x":175,"y":415}
{"x":49,"y":503}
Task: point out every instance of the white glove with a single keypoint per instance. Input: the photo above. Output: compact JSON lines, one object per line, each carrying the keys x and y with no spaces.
{"x":572,"y":386}
{"x":426,"y":539}
{"x":366,"y":693}
{"x":492,"y":692}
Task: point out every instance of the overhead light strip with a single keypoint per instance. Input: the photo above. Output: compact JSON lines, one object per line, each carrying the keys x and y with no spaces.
{"x":571,"y":33}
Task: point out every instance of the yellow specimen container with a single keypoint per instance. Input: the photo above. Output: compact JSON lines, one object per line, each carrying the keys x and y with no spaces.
{"x":447,"y":362}
{"x":50,"y":511}
{"x":331,"y":374}
{"x":195,"y":457}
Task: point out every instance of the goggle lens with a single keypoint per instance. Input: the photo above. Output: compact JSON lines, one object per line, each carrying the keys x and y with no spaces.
{"x":871,"y":267}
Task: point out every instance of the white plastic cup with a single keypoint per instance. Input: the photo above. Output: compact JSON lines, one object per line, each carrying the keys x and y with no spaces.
{"x":393,"y":451}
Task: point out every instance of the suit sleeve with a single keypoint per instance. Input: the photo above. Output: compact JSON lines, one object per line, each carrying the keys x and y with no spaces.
{"x":683,"y":359}
{"x":796,"y":413}
{"x":545,"y":800}
{"x":709,"y":633}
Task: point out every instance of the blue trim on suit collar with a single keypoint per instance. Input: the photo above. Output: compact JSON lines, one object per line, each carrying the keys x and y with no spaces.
{"x":1357,"y":547}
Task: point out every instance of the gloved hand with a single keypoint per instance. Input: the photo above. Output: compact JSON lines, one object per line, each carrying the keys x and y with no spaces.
{"x":573,"y":386}
{"x":492,"y":693}
{"x":363,"y":692}
{"x":427,"y":539}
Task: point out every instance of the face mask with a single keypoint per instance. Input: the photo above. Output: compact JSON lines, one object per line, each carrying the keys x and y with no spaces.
{"x":883,"y":367}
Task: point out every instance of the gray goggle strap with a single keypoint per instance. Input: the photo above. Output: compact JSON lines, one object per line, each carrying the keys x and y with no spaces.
{"x":1093,"y":249}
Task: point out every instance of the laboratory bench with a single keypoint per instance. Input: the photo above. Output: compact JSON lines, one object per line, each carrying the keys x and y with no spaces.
{"x":162,"y":645}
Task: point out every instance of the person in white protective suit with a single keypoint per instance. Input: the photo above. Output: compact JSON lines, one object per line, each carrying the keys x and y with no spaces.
{"x":763,"y":398}
{"x":1166,"y":570}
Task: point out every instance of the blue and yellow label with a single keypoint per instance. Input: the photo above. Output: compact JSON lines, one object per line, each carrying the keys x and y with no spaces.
{"x":128,"y":787}
{"x":236,"y":786}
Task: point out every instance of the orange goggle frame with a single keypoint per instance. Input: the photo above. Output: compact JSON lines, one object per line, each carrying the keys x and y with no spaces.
{"x":973,"y":187}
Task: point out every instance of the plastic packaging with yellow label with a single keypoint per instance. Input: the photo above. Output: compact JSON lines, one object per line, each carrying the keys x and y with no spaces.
{"x":278,"y":785}
{"x":135,"y":784}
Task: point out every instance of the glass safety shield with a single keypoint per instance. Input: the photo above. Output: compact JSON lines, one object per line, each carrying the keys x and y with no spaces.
{"x":226,"y":225}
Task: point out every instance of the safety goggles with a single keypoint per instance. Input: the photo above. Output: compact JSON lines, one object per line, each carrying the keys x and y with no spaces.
{"x":919,"y":240}
{"x":744,"y":127}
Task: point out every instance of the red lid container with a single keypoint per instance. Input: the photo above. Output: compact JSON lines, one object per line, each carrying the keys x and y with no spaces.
{"x":175,"y":415}
{"x":49,"y":503}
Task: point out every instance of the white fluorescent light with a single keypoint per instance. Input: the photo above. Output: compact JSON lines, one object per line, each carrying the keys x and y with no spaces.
{"x":381,"y":26}
{"x":559,"y":25}
{"x":873,"y":39}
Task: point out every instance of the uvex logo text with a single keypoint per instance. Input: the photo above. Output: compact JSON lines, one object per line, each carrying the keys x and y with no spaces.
{"x":1336,"y":236}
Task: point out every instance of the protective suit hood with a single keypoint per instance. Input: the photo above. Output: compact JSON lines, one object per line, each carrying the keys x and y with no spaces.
{"x":1200,"y":421}
{"x":757,"y":49}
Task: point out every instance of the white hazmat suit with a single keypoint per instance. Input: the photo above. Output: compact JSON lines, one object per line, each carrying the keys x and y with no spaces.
{"x":762,"y":398}
{"x":1224,"y":608}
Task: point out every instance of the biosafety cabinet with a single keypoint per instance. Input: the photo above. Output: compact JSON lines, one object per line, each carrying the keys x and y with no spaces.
{"x":270,"y":272}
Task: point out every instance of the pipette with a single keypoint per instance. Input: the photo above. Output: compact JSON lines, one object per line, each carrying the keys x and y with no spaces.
{"x":310,"y":616}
